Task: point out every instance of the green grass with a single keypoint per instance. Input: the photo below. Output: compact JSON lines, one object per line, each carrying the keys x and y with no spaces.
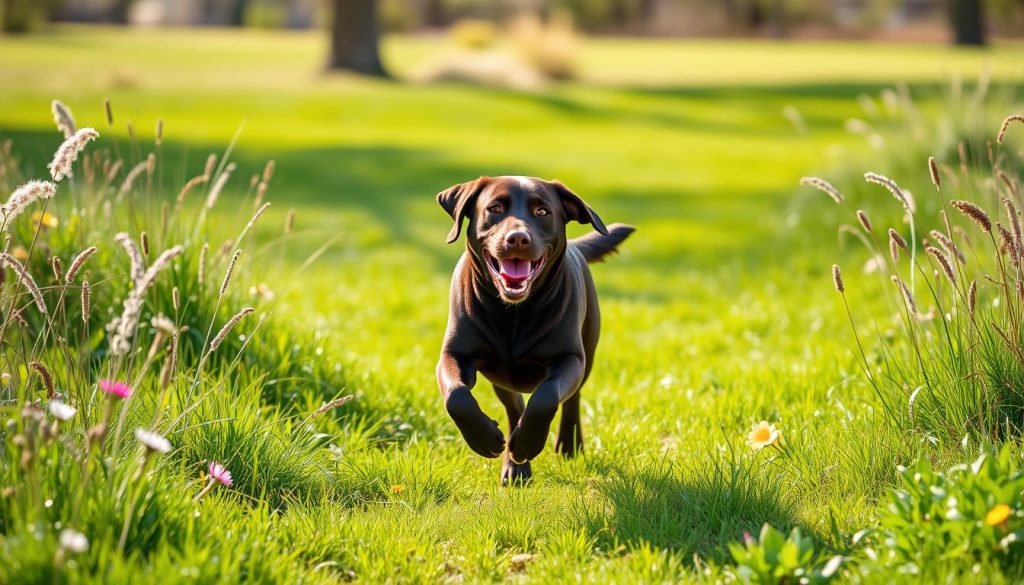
{"x":718,"y":313}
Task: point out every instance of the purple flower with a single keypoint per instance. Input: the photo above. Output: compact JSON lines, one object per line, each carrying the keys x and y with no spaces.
{"x":115,"y":388}
{"x":220,"y":473}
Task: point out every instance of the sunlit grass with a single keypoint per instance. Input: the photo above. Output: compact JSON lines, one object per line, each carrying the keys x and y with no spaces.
{"x":719,"y":312}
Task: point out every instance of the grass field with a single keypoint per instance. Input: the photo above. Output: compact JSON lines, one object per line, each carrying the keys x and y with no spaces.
{"x":719,"y":312}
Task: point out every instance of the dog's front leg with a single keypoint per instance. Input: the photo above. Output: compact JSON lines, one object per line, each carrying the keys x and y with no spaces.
{"x":529,"y":436}
{"x":455,"y":378}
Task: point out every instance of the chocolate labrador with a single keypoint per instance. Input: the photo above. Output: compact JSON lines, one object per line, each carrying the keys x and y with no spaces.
{"x":523,"y":312}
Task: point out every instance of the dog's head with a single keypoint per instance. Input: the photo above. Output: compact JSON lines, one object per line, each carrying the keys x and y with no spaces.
{"x":516,"y":227}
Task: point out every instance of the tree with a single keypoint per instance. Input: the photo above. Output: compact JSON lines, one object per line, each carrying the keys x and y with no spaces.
{"x":967,"y":22}
{"x":354,"y":37}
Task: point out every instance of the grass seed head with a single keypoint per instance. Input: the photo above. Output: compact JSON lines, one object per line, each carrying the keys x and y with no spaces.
{"x":933,"y":170}
{"x":231,"y":269}
{"x":68,"y":151}
{"x":865,"y":223}
{"x":824,"y":186}
{"x":972,"y":297}
{"x":891,"y":186}
{"x":26,"y":280}
{"x":974,"y":212}
{"x":908,"y":297}
{"x":191,"y":184}
{"x":1006,"y":125}
{"x":46,"y":377}
{"x":86,"y":298}
{"x":129,"y":179}
{"x":947,"y":244}
{"x":226,"y":330}
{"x":947,"y":269}
{"x":24,"y":196}
{"x":211,"y":160}
{"x":78,"y":262}
{"x":63,"y":118}
{"x":837,"y":278}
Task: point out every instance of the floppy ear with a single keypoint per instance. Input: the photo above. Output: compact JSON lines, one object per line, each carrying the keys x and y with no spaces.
{"x":576,"y":209}
{"x":458,"y":200}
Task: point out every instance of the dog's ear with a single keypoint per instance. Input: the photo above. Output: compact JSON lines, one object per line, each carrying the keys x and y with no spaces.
{"x":458,"y":201}
{"x":576,"y":209}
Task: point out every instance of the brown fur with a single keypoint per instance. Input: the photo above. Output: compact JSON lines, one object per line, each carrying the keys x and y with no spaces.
{"x":532,"y":336}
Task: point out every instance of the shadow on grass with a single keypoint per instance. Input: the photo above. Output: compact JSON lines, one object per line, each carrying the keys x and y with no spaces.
{"x":697,"y":510}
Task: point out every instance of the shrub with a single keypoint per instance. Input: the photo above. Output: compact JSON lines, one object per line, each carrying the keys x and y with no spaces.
{"x":969,"y":514}
{"x":775,"y":558}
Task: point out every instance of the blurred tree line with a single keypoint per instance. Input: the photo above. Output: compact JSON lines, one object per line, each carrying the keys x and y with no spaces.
{"x":970,"y":19}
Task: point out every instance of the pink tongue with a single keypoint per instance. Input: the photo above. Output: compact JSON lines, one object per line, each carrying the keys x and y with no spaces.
{"x":515,"y":268}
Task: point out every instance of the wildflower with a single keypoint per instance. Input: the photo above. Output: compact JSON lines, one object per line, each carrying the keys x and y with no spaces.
{"x":154,"y":442}
{"x":73,"y":540}
{"x":115,"y":388}
{"x":20,"y":253}
{"x":997,"y":515}
{"x":44,"y":220}
{"x":398,"y":488}
{"x":61,"y":411}
{"x":763,"y":434}
{"x":220,"y":473}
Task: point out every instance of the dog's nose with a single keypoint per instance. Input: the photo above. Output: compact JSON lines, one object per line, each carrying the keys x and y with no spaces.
{"x":518,"y":238}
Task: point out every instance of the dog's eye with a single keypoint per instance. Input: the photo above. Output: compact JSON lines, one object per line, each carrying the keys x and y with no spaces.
{"x":542,"y":211}
{"x":496,"y":208}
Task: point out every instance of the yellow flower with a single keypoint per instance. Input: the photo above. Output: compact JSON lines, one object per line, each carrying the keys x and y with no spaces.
{"x":20,"y":253}
{"x":47,"y":220}
{"x":397,"y":488}
{"x":997,"y":515}
{"x":762,"y":435}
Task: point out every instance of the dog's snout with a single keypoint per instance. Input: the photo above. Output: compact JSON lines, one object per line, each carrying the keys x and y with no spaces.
{"x":518,"y":239}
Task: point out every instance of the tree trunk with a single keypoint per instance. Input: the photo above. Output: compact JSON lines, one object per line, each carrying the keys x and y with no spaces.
{"x":354,"y":37}
{"x":967,"y":22}
{"x":434,"y":13}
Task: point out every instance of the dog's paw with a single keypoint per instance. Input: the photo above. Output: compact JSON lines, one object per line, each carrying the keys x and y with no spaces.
{"x":481,"y":432}
{"x":530,"y":435}
{"x":515,"y":474}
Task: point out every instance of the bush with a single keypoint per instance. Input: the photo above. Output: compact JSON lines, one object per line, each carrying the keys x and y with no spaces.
{"x":971,"y":514}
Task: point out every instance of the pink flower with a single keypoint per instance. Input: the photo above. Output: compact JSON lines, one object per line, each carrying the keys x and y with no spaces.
{"x":115,"y":388}
{"x":220,"y":473}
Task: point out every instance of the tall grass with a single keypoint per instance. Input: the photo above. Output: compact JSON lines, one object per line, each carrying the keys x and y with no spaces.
{"x":133,"y":357}
{"x":947,"y":254}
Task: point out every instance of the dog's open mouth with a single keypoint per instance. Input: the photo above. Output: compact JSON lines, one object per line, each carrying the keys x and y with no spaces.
{"x":514,"y":275}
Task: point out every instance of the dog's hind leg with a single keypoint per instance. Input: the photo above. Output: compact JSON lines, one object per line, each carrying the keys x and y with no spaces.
{"x":512,"y":473}
{"x":570,"y":434}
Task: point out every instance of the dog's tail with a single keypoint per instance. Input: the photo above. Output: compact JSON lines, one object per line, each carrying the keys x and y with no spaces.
{"x":595,"y":246}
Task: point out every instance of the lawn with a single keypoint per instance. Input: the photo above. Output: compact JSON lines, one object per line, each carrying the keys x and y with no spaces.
{"x":719,"y":312}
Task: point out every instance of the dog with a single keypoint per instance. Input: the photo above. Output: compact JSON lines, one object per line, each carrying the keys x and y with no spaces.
{"x":523,"y":313}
